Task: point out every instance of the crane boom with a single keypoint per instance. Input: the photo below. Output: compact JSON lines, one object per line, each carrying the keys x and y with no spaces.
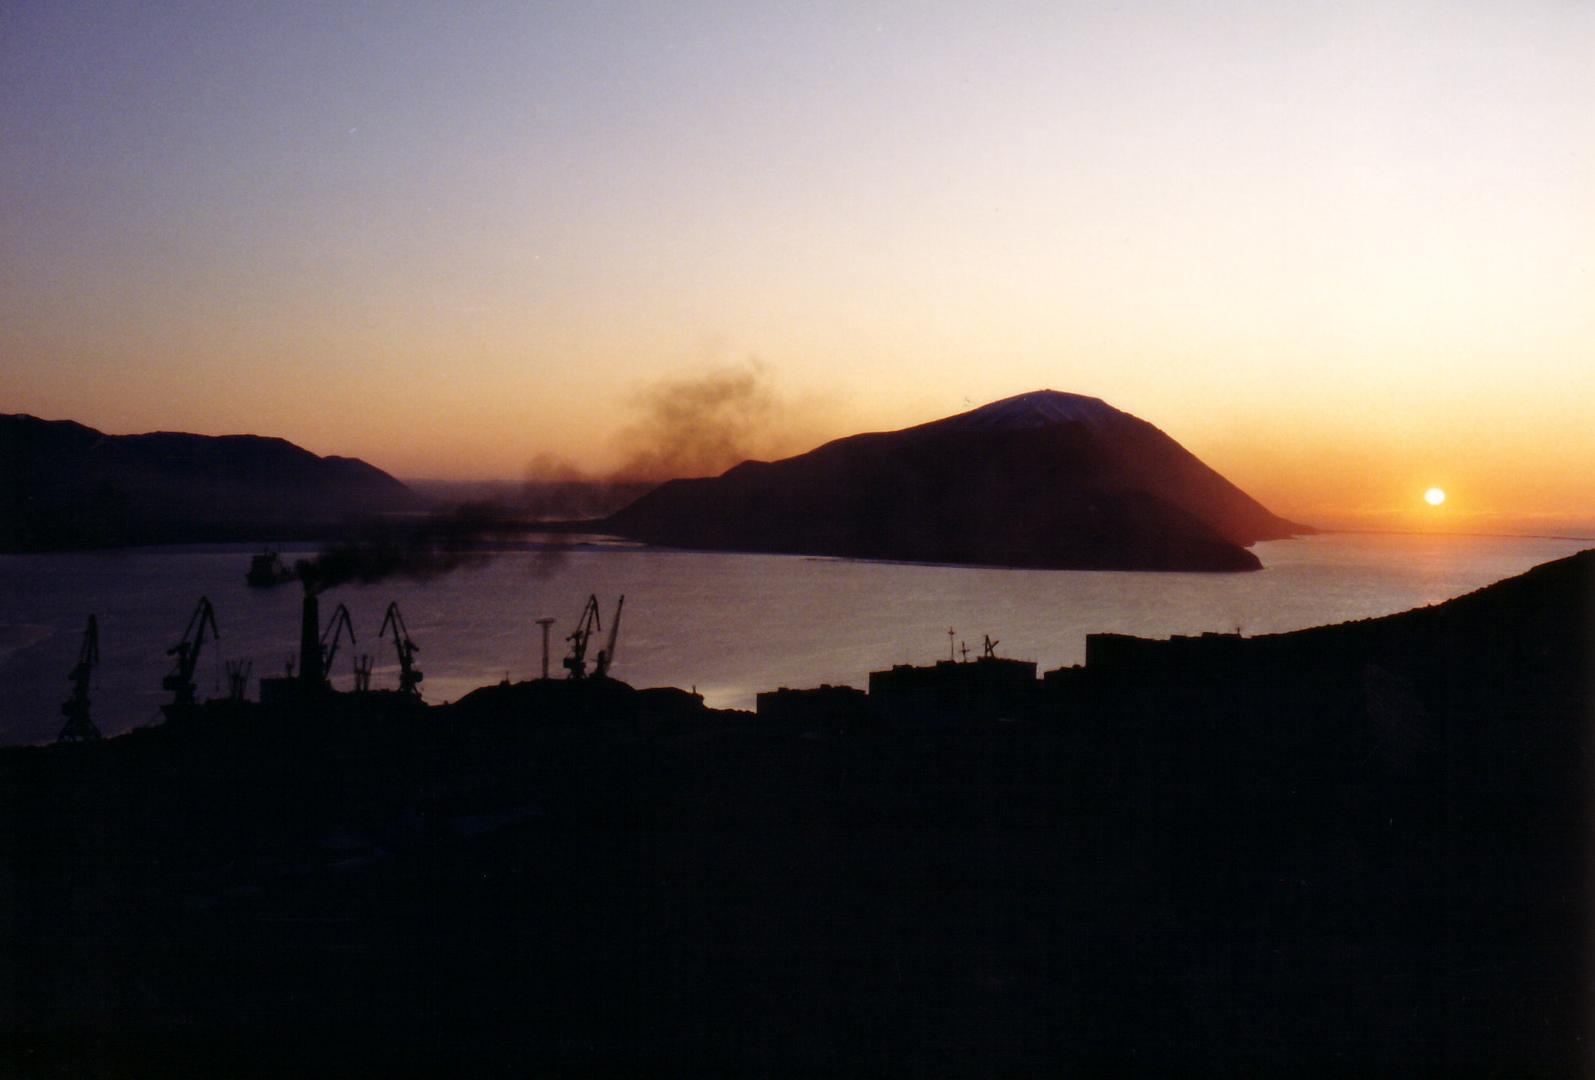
{"x":576,"y":662}
{"x":181,"y":680}
{"x":409,"y":675}
{"x":79,"y":727}
{"x":340,"y":622}
{"x":606,"y":655}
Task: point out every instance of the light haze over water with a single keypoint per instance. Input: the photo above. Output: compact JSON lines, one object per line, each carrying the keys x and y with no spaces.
{"x":729,"y":625}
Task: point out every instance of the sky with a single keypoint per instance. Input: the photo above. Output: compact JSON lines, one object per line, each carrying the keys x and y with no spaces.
{"x":1341,"y":251}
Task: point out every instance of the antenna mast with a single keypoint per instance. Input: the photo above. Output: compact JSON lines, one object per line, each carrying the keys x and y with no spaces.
{"x":362,"y":672}
{"x":238,"y":678}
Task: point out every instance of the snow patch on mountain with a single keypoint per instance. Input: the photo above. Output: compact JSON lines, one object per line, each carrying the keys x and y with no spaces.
{"x":1039,"y":408}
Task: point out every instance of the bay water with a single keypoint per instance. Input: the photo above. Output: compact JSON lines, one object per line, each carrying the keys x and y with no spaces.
{"x":726,"y":625}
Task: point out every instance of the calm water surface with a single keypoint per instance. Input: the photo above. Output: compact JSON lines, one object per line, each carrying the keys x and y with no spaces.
{"x":729,"y":625}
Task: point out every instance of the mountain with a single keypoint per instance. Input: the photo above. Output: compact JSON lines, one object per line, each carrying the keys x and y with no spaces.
{"x":1044,"y":479}
{"x":64,"y":485}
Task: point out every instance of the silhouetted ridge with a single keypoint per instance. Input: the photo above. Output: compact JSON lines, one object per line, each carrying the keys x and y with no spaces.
{"x":66,"y":485}
{"x":1044,"y":479}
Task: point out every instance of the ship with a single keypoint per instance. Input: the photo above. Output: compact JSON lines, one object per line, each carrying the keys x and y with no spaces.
{"x":267,"y":569}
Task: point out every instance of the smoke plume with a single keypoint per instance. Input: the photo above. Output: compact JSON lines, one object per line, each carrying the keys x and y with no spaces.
{"x":690,"y":426}
{"x":417,"y":550}
{"x":556,"y":490}
{"x":701,"y":425}
{"x":696,"y":425}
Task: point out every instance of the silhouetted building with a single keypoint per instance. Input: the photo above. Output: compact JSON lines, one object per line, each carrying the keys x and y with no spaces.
{"x":1066,"y":685}
{"x":1122,"y":654}
{"x":990,"y":688}
{"x":828,"y":709}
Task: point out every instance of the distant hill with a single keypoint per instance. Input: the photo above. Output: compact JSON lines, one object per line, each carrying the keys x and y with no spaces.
{"x":1044,"y":479}
{"x":64,"y":485}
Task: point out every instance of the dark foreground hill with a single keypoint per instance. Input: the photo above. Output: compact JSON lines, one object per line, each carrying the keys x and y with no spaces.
{"x":1045,"y":479}
{"x":1354,"y":851}
{"x":63,"y":485}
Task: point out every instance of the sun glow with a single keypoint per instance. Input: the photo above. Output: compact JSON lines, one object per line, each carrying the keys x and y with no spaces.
{"x":1434,"y":496}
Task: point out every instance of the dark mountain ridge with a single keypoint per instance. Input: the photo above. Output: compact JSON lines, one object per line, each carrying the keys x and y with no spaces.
{"x":1044,"y":479}
{"x":65,"y":485}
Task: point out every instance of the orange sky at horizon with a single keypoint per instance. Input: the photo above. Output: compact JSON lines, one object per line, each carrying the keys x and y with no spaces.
{"x":1341,"y":252}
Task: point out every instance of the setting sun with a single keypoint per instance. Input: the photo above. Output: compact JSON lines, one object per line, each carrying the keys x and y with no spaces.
{"x":1434,"y":496}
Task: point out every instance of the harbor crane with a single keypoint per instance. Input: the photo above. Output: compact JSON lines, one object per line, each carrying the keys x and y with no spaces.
{"x":181,"y":680}
{"x":606,"y":655}
{"x":581,"y":638}
{"x":576,"y":662}
{"x":329,"y":649}
{"x":79,"y":728}
{"x":409,"y":675}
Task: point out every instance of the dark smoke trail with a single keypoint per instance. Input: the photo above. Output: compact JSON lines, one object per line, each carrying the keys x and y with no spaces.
{"x":692,"y":426}
{"x":697,"y":425}
{"x":700,"y":426}
{"x":556,"y":490}
{"x":415,"y":550}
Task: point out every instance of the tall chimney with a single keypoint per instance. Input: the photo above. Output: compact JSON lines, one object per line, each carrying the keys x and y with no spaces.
{"x":311,"y":676}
